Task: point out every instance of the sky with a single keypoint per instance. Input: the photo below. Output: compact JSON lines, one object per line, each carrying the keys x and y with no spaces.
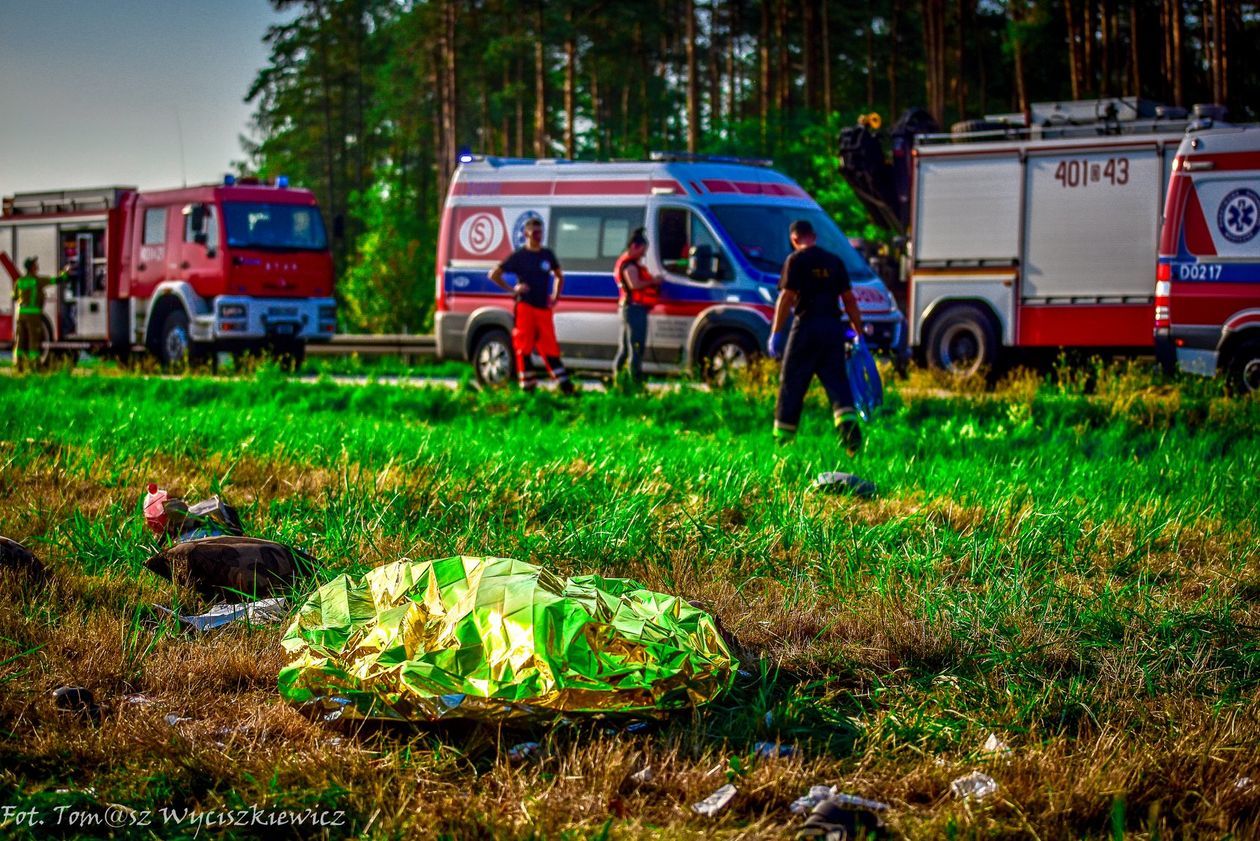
{"x":95,"y":92}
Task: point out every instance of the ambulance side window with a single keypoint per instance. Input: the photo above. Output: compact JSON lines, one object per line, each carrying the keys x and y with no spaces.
{"x":678,"y":230}
{"x":590,"y":239}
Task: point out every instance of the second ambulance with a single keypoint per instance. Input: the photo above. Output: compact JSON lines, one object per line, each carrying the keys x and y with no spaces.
{"x":1207,"y":294}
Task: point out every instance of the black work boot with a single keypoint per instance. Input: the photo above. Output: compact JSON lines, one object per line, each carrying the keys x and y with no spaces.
{"x":850,"y":430}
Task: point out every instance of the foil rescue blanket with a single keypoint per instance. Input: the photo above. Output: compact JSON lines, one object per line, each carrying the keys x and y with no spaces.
{"x":493,"y":639}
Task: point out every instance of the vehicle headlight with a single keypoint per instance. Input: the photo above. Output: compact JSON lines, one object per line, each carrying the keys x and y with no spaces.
{"x":327,"y":312}
{"x":232,"y":311}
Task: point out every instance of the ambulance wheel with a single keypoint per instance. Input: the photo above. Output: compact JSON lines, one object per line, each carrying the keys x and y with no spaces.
{"x":725,"y":354}
{"x":962,"y":341}
{"x":492,"y":358}
{"x":1244,"y":368}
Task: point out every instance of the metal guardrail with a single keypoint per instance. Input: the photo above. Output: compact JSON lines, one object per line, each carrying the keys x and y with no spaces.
{"x":344,"y":344}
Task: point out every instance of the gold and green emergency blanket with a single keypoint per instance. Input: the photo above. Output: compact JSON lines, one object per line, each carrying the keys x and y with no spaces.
{"x":494,"y":639}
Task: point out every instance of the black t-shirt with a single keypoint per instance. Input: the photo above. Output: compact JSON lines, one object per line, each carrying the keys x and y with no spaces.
{"x":533,"y":268}
{"x":818,"y":277}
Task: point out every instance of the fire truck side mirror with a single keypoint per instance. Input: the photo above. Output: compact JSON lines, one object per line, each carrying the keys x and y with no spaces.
{"x":700,"y":263}
{"x":339,"y":226}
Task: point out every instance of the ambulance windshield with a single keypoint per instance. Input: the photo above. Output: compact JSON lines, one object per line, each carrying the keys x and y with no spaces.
{"x":761,"y":235}
{"x":274,"y":226}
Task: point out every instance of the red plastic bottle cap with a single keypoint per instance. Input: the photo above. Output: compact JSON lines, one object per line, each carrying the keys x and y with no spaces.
{"x":152,"y":488}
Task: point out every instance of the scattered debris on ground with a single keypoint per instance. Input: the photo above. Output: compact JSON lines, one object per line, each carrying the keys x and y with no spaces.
{"x":975,"y":785}
{"x":715,"y":802}
{"x":262,"y":612}
{"x":844,"y":483}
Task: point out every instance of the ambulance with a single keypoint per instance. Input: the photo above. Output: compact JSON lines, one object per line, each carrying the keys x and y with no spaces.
{"x":718,"y":234}
{"x":1207,"y":293}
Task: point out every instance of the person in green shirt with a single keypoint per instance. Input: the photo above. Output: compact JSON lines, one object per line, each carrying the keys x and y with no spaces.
{"x":29,"y":334}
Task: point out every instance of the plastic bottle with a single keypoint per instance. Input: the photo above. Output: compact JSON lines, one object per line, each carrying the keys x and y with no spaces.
{"x":155,"y":510}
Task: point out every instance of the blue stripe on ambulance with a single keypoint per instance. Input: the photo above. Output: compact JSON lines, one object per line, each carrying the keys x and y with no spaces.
{"x":1183,"y":269}
{"x":598,"y":285}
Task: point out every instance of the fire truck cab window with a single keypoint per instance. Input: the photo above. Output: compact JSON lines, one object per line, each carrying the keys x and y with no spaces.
{"x":678,"y":230}
{"x":154,"y":226}
{"x":274,"y":226}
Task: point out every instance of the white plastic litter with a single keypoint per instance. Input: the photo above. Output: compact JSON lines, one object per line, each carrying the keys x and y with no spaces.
{"x":974,"y":785}
{"x":995,"y":745}
{"x":817,"y":794}
{"x":644,"y":775}
{"x":715,"y":802}
{"x":262,"y":612}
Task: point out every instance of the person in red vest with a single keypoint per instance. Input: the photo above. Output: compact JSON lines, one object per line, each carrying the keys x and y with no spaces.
{"x":637,"y":294}
{"x":533,"y":327}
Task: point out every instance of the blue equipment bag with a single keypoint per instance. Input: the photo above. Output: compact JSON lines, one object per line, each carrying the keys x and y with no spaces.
{"x":868,"y":389}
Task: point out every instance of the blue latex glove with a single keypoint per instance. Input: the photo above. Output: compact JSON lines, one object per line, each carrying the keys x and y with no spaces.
{"x":778,"y":343}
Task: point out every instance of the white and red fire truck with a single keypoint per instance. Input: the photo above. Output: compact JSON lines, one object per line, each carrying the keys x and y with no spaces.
{"x":1026,"y":234}
{"x":182,"y":273}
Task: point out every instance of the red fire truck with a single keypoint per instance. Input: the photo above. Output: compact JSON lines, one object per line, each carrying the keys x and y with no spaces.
{"x":182,"y":273}
{"x":1026,"y":233}
{"x":1207,"y":292}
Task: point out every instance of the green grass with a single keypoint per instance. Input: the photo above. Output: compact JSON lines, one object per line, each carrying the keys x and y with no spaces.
{"x":1074,"y":567}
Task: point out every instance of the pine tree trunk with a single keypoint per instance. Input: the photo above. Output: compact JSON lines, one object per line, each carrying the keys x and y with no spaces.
{"x":959,"y":80}
{"x":825,"y":26}
{"x":570,"y":70}
{"x":1135,"y":55}
{"x":716,"y":66}
{"x":1016,"y":9}
{"x":1088,"y":30}
{"x":693,"y":84}
{"x":763,"y":53}
{"x":520,"y":112}
{"x":1178,"y":82}
{"x":1073,"y":64}
{"x":870,"y":58}
{"x":808,"y":57}
{"x":733,"y":31}
{"x":784,"y":71}
{"x":540,"y":90}
{"x":894,"y":62}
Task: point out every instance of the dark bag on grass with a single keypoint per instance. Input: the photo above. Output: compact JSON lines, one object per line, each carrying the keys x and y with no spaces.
{"x":15,"y":556}
{"x":231,"y":566}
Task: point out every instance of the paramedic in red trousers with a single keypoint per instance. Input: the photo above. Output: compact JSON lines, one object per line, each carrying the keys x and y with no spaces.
{"x":811,"y":285}
{"x":637,"y":293}
{"x":533,"y":327}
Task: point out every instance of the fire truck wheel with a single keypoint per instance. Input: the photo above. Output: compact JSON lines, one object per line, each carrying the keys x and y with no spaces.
{"x":1244,"y":368}
{"x":492,"y":358}
{"x":725,"y":354}
{"x":175,"y":345}
{"x":962,"y":341}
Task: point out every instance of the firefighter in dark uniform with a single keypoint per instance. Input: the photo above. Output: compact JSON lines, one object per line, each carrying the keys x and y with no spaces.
{"x":812,"y":283}
{"x":28,"y":298}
